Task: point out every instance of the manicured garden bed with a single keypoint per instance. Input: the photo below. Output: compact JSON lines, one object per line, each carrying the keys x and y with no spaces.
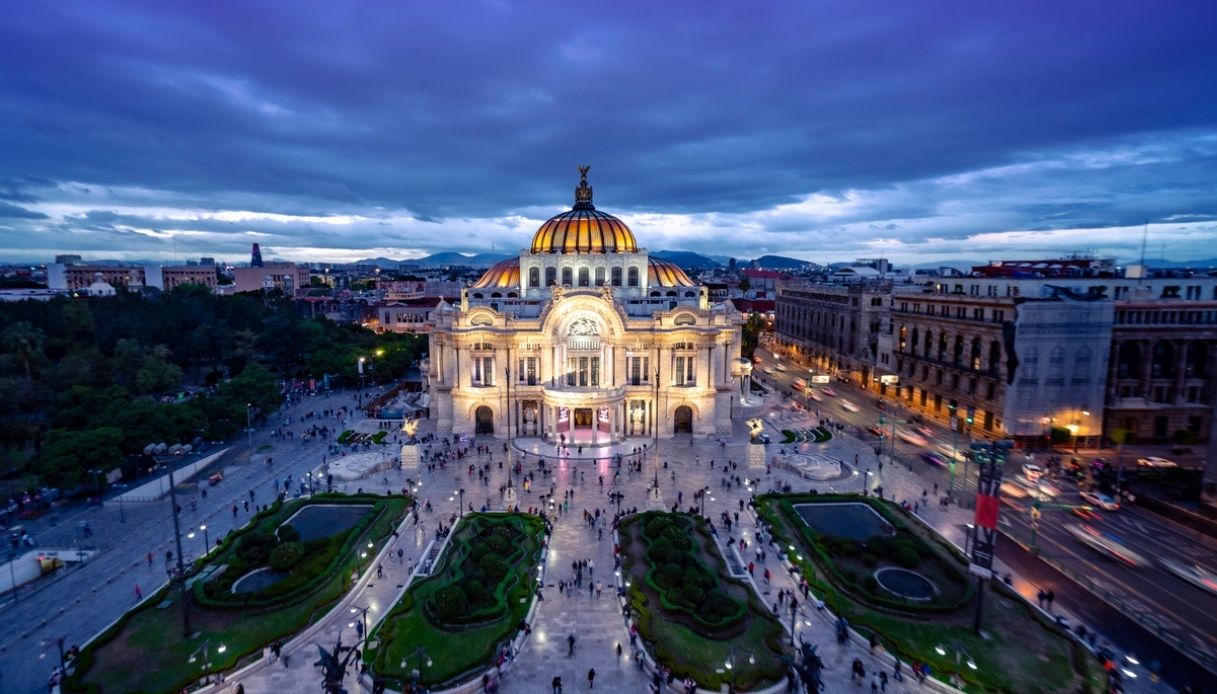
{"x":692,"y":615}
{"x":474,"y":600}
{"x":145,"y":650}
{"x":1020,"y":652}
{"x":816,"y":435}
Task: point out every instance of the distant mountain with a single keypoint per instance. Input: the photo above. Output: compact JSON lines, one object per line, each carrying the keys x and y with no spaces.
{"x":778,"y":262}
{"x":688,"y":260}
{"x":439,"y":260}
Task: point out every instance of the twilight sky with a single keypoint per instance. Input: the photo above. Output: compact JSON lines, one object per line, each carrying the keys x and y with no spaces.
{"x":337,"y":130}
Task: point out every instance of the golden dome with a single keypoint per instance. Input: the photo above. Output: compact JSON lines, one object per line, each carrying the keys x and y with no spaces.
{"x":583,"y":229}
{"x":503,"y":274}
{"x":661,"y":273}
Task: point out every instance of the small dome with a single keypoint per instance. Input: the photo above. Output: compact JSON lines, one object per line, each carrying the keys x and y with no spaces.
{"x":503,"y":274}
{"x":583,"y":229}
{"x":661,"y":273}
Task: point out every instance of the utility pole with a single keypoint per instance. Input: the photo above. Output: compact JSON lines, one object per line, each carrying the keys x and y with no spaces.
{"x":954,"y":447}
{"x":181,"y":569}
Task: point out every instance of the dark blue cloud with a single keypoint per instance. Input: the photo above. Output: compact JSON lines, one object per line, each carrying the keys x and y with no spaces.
{"x":461,"y":114}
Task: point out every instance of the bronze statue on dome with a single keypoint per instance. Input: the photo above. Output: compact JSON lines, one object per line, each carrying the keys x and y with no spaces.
{"x":583,"y":193}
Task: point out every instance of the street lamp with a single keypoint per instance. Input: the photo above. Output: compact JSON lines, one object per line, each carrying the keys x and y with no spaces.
{"x":959,"y":653}
{"x":461,"y":502}
{"x":423,"y":658}
{"x":361,"y":361}
{"x":205,"y":649}
{"x":249,"y":427}
{"x":206,"y":540}
{"x":363,"y":615}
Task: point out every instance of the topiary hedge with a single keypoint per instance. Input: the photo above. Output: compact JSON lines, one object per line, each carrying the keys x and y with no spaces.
{"x":682,"y":583}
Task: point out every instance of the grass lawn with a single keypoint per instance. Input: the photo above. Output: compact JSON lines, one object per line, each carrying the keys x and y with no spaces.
{"x":684,"y":644}
{"x":146,"y":651}
{"x":1020,"y":652}
{"x":461,"y":645}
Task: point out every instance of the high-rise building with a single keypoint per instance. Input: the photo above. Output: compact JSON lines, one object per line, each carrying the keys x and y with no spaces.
{"x":255,"y":256}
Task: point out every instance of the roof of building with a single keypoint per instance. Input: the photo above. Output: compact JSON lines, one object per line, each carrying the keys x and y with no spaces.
{"x":665,"y":274}
{"x":505,"y":273}
{"x":762,"y":274}
{"x":584,"y":229}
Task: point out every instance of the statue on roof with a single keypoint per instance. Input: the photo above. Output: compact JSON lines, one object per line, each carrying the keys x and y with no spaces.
{"x":583,"y":194}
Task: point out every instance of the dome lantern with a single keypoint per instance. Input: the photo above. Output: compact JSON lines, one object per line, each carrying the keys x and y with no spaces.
{"x":584,"y":229}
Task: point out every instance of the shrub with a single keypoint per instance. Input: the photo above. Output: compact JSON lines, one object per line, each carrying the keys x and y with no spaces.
{"x":656,"y":527}
{"x":848,"y":548}
{"x":871,"y":585}
{"x":906,"y":556}
{"x":494,"y":567}
{"x":672,"y":574}
{"x":255,"y":547}
{"x":475,"y":591}
{"x":286,"y":555}
{"x":693,"y":594}
{"x":288,"y":534}
{"x":870,"y":559}
{"x":498,"y":545}
{"x":450,"y":603}
{"x":659,"y":549}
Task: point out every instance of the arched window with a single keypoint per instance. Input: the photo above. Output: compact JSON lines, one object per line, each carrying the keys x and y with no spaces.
{"x":616,"y":275}
{"x":566,"y":277}
{"x":551,"y":276}
{"x":928,"y":344}
{"x":584,"y":277}
{"x":689,"y":295}
{"x":916,"y":339}
{"x":958,"y":350}
{"x":994,"y":355}
{"x":904,"y":333}
{"x":942,"y":346}
{"x":975,"y":360}
{"x":632,"y":277}
{"x":1031,"y":364}
{"x":534,"y":277}
{"x":599,"y":277}
{"x":1056,"y":367}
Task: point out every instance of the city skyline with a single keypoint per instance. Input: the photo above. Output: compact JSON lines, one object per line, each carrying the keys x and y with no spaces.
{"x":934,"y":133}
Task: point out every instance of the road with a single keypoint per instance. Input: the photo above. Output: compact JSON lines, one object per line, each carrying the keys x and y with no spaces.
{"x":1180,"y":612}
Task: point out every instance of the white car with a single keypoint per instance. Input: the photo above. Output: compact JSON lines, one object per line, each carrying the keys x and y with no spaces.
{"x":1156,"y":462}
{"x":1100,"y":500}
{"x":780,"y":367}
{"x":1032,"y":472}
{"x":1192,"y":573}
{"x":912,"y":437}
{"x":1043,"y":488}
{"x":950,"y":451}
{"x":1013,"y":491}
{"x":848,"y":406}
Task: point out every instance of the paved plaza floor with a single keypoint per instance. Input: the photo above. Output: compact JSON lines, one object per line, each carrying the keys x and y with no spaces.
{"x":681,"y":466}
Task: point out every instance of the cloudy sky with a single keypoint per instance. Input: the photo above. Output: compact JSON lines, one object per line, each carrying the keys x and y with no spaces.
{"x":336,"y":130}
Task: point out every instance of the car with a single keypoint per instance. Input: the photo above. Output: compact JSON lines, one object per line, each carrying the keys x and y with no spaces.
{"x":948,"y":451}
{"x":876,"y":430}
{"x":1042,"y":488}
{"x":780,"y":367}
{"x":1156,"y":462}
{"x":830,"y":392}
{"x":1192,"y":573}
{"x":924,"y":430}
{"x":811,"y":393}
{"x":1100,"y":499}
{"x":848,"y":406}
{"x":1032,"y":472}
{"x":1014,"y":491}
{"x":911,"y":437}
{"x":1086,"y":513}
{"x":934,"y":459}
{"x":1106,"y":543}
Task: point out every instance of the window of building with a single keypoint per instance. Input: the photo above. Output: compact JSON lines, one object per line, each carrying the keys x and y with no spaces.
{"x":483,"y":371}
{"x":632,"y":277}
{"x":584,"y":277}
{"x":551,"y":276}
{"x":615,"y":276}
{"x":528,"y":371}
{"x":991,"y":390}
{"x":534,"y":277}
{"x":599,"y":277}
{"x":583,"y":372}
{"x":638,"y":370}
{"x":682,"y":374}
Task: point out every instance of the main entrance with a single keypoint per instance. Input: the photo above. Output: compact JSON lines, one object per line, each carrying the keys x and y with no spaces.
{"x":684,"y":420}
{"x":583,"y":418}
{"x":483,"y":421}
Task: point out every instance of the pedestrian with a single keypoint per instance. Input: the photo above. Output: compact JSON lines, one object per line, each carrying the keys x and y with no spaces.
{"x":240,"y":688}
{"x":139,"y":594}
{"x":570,"y":645}
{"x":380,"y":571}
{"x":400,"y":555}
{"x":591,"y":678}
{"x":556,"y":683}
{"x":618,"y":650}
{"x":149,"y":559}
{"x":883,"y":681}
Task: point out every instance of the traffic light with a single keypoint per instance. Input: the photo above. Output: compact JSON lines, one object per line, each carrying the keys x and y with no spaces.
{"x":971,"y":415}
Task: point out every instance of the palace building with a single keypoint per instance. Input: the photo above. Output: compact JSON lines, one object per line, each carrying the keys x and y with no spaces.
{"x":584,"y":338}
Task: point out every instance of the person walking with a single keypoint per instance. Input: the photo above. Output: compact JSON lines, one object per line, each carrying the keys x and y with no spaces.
{"x":139,"y":594}
{"x":570,"y":644}
{"x":556,"y":683}
{"x":380,"y":571}
{"x":591,"y":678}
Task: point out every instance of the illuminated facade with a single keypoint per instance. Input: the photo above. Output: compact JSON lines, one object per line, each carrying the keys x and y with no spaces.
{"x":584,"y":338}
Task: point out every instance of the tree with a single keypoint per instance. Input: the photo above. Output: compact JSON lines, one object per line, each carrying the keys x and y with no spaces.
{"x":157,"y":374}
{"x":68,"y":455}
{"x":745,"y":284}
{"x":751,"y":334}
{"x":26,"y":342}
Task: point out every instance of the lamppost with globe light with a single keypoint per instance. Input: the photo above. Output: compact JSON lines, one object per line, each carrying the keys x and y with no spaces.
{"x":205,"y":650}
{"x":423,"y":658}
{"x":363,"y":623}
{"x":960,"y":652}
{"x":206,"y":539}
